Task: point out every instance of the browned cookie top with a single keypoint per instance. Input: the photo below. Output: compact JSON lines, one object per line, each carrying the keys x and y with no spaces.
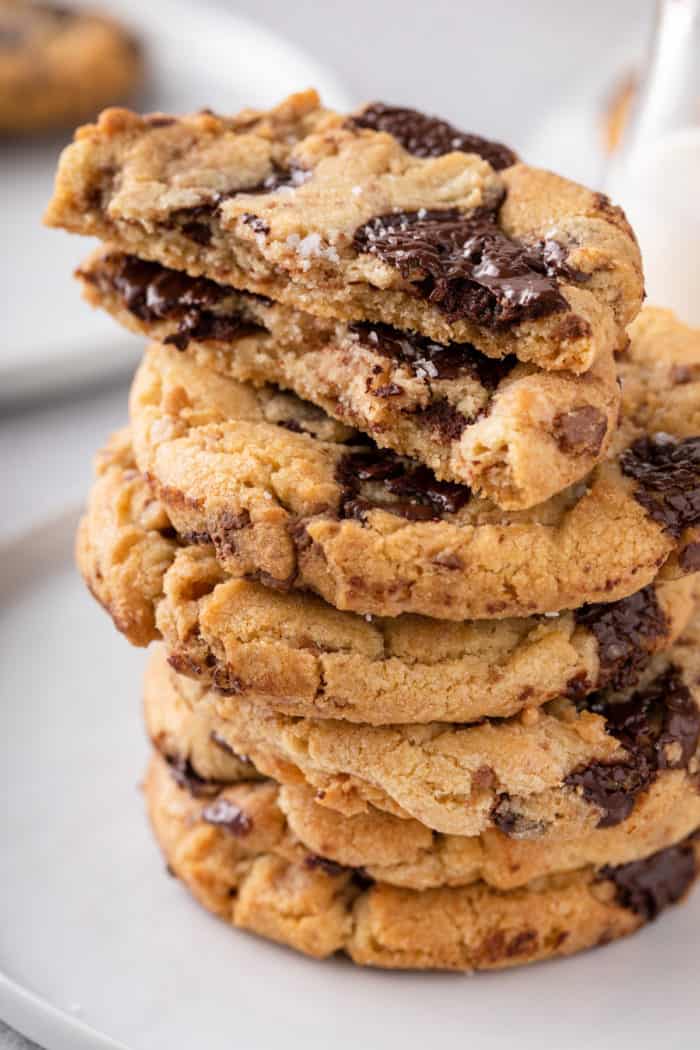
{"x":366,"y":218}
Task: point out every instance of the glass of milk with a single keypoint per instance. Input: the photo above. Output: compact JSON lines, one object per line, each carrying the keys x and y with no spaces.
{"x":656,"y":177}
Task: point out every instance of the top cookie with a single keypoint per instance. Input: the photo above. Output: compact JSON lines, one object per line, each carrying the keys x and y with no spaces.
{"x":59,"y":65}
{"x":387,"y":216}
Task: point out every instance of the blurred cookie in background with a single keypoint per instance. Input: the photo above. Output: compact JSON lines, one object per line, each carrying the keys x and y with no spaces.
{"x":60,"y":65}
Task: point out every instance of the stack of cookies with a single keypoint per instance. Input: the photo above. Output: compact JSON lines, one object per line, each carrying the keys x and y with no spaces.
{"x":410,"y":499}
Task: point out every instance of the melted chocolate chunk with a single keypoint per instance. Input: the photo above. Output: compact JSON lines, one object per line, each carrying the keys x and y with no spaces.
{"x":431,"y":360}
{"x":659,"y":728}
{"x":513,"y":824}
{"x":425,"y":136}
{"x":156,"y":293}
{"x":196,"y":222}
{"x":668,"y":476}
{"x":581,"y":431}
{"x":648,"y":886}
{"x":624,"y":631}
{"x":330,"y":867}
{"x":186,"y":777}
{"x":689,"y":557}
{"x":225,"y":814}
{"x":466,"y":266}
{"x":612,"y":787}
{"x":421,"y":497}
{"x":256,"y":224}
{"x":446,"y":421}
{"x":222,"y":742}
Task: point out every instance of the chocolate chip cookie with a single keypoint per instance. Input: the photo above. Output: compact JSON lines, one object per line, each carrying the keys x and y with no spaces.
{"x":59,"y":65}
{"x":400,"y":851}
{"x":560,"y":772}
{"x":396,"y":220}
{"x":225,"y":857}
{"x":288,"y":498}
{"x":299,"y":655}
{"x":513,"y":432}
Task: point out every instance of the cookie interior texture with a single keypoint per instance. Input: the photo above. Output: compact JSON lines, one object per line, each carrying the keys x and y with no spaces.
{"x":511,"y":431}
{"x":363,"y":219}
{"x":291,"y":497}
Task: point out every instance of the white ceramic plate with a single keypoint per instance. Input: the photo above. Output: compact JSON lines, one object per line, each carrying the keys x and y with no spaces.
{"x":198,"y":56}
{"x":99,"y":948}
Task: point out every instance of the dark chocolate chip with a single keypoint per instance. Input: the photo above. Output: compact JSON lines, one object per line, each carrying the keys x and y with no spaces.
{"x":668,"y":475}
{"x":446,"y":421}
{"x":659,"y":728}
{"x":156,"y":293}
{"x":256,"y":224}
{"x":511,"y":823}
{"x":196,"y":223}
{"x":613,"y":786}
{"x":425,"y":136}
{"x":186,"y":777}
{"x":431,"y":360}
{"x":624,"y":631}
{"x":647,"y":886}
{"x":225,"y":814}
{"x":523,"y":943}
{"x":222,"y":742}
{"x":581,"y":431}
{"x":689,"y":558}
{"x":159,"y":120}
{"x":466,"y":266}
{"x":421,"y":497}
{"x":330,"y":867}
{"x":223,"y":532}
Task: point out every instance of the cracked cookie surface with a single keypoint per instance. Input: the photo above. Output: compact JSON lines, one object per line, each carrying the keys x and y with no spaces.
{"x":515,"y":433}
{"x":291,"y":497}
{"x":346,"y":219}
{"x":402,"y":852}
{"x":232,"y":872}
{"x":59,"y":66}
{"x":559,"y":772}
{"x":298,"y":654}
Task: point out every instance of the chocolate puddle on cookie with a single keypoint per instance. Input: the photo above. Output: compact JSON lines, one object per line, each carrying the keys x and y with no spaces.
{"x":667,"y":472}
{"x":425,"y":136}
{"x":376,"y":479}
{"x":659,"y":728}
{"x":625,"y":631}
{"x":153,"y":293}
{"x":467,"y":267}
{"x":648,"y":886}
